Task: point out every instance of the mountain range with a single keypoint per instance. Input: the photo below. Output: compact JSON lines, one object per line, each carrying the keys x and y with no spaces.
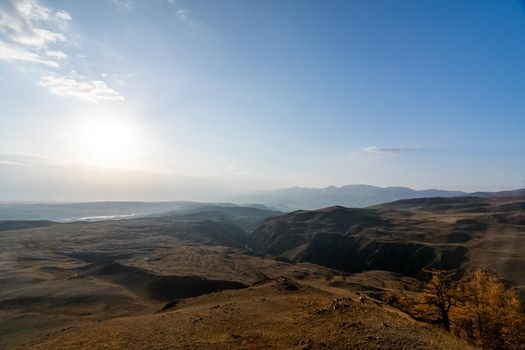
{"x":356,"y":196}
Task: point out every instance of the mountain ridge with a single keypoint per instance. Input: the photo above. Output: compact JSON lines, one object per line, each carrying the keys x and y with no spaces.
{"x":358,"y":195}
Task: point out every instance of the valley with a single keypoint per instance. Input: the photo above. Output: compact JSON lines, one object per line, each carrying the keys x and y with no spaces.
{"x":247,"y":277}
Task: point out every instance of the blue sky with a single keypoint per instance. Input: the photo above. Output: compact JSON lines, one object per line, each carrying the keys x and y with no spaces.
{"x":199,"y":99}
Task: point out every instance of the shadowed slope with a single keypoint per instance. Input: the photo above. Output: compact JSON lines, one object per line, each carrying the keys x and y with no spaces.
{"x":155,"y":286}
{"x":405,"y":236}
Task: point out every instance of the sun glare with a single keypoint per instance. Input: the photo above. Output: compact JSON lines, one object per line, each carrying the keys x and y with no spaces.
{"x":106,"y":142}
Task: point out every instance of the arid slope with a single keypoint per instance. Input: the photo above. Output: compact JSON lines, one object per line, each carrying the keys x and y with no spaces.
{"x":406,"y":237}
{"x":278,"y":314}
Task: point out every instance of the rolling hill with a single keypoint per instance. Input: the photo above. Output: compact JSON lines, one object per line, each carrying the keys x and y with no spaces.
{"x":226,"y":276}
{"x":405,"y":236}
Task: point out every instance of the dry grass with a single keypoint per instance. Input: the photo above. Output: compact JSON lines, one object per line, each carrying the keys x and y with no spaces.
{"x":268,"y":315}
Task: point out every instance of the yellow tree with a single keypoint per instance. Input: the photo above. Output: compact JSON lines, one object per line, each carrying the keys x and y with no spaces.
{"x":489,"y":314}
{"x":438,"y":297}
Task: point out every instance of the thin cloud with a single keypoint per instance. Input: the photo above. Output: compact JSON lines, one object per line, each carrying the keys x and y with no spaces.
{"x":30,"y":33}
{"x":9,"y":162}
{"x":391,"y":150}
{"x":183,"y":14}
{"x":124,"y":5}
{"x":56,"y":54}
{"x":89,"y":90}
{"x":27,"y":29}
{"x":63,"y":16}
{"x":26,"y":159}
{"x":13,"y":53}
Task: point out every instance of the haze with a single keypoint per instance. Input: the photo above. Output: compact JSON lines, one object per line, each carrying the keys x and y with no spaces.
{"x":202,"y":100}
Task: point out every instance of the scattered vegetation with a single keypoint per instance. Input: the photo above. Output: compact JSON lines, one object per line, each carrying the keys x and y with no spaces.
{"x":438,"y":297}
{"x":489,"y":314}
{"x":478,"y":308}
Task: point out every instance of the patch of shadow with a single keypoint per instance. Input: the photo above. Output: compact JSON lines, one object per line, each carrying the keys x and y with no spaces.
{"x":157,"y":287}
{"x":459,"y":237}
{"x":23,"y":258}
{"x":464,"y":229}
{"x":301,"y":275}
{"x":96,"y":257}
{"x":286,"y":284}
{"x":54,"y":301}
{"x":470,"y":225}
{"x":358,"y":254}
{"x":169,"y":305}
{"x":52,"y":269}
{"x":510,"y":207}
{"x":512,"y":219}
{"x":452,"y":258}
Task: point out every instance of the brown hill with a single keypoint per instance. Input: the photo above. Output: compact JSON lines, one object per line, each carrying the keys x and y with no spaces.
{"x":278,"y":314}
{"x":405,"y":236}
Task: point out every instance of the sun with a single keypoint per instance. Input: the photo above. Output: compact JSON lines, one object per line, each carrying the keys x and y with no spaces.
{"x":106,"y":142}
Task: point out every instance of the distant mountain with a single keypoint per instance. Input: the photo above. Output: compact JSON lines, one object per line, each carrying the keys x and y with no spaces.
{"x":354,"y":196}
{"x":250,"y":208}
{"x":349,"y":196}
{"x":514,"y":193}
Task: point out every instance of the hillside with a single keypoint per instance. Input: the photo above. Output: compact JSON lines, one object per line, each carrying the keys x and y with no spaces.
{"x":214,"y":276}
{"x":405,"y":236}
{"x":99,"y":284}
{"x":278,"y":314}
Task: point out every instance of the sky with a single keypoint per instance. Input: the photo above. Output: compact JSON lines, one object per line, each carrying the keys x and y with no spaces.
{"x":172,"y":99}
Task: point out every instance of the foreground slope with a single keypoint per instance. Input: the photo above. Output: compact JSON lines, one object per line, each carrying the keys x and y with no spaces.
{"x":58,"y":274}
{"x":278,"y":314}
